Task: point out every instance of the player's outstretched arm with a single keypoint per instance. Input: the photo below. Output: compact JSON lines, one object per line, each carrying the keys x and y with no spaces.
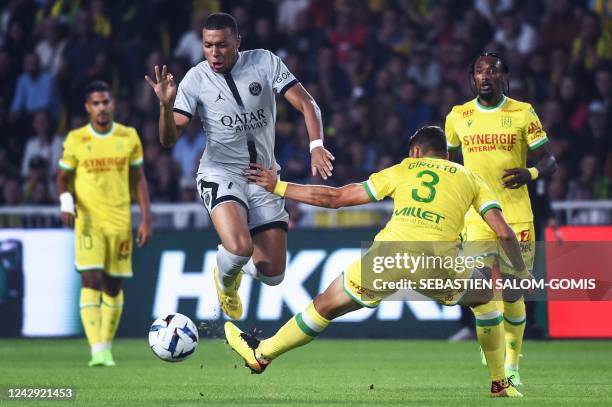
{"x":141,"y":191}
{"x":507,"y":238}
{"x":320,"y":158}
{"x":546,"y":165}
{"x":171,"y":124}
{"x":63,"y":185}
{"x":318,"y":195}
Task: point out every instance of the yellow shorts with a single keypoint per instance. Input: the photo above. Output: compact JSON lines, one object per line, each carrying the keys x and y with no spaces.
{"x":479,"y":231}
{"x":365,"y":290}
{"x":107,"y":250}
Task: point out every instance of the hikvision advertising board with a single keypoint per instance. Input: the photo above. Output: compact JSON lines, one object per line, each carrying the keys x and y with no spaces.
{"x":173,"y":273}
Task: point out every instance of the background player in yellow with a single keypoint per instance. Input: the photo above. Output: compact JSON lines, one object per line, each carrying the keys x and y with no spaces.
{"x":101,"y":163}
{"x":495,"y":134}
{"x":427,"y":183}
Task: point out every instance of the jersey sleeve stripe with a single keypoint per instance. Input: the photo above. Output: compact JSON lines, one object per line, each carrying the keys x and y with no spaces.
{"x":369,"y":188}
{"x":288,"y":86}
{"x":137,"y":163}
{"x":65,"y":166}
{"x":452,"y":146}
{"x":484,"y":208}
{"x":184,"y":113}
{"x":538,"y":143}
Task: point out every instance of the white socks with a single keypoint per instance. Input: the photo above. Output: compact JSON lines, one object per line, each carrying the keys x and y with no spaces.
{"x":229,"y":266}
{"x":252,"y":271}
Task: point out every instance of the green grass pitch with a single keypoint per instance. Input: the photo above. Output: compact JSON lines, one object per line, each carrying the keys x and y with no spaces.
{"x":327,"y":372}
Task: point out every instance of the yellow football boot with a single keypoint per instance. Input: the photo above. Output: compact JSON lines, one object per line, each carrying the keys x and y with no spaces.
{"x":230,"y":301}
{"x":245,"y":345}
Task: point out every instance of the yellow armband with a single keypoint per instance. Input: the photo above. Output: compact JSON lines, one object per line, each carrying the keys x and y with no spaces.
{"x":280,"y":188}
{"x":534,"y":173}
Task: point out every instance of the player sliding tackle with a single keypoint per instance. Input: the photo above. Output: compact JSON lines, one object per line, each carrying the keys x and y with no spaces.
{"x":425,"y":180}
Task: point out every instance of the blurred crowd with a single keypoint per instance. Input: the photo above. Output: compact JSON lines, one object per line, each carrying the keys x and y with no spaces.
{"x":379,"y":69}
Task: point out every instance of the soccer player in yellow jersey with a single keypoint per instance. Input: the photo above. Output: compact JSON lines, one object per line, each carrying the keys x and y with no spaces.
{"x":101,"y":162}
{"x":431,"y":196}
{"x":495,"y":134}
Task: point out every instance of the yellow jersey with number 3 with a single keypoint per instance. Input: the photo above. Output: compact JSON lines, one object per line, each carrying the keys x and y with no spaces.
{"x":430,"y":199}
{"x":493,"y":139}
{"x":101,"y":164}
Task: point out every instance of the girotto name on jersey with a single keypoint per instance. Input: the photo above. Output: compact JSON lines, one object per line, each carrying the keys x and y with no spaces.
{"x":246,"y":121}
{"x":489,"y":142}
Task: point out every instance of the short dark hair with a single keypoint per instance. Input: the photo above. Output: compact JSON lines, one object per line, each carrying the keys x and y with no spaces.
{"x":431,"y":139}
{"x":220,"y":21}
{"x":96,"y":86}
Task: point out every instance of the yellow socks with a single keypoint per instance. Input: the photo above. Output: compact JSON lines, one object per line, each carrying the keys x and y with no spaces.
{"x":298,"y":331}
{"x":490,"y":332}
{"x":91,"y":317}
{"x":111,"y":315}
{"x":514,"y":326}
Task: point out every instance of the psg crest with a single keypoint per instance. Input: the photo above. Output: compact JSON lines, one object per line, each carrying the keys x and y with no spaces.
{"x":255,"y":88}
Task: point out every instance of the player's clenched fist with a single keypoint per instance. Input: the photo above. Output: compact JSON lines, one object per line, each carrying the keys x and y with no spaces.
{"x":164,"y":85}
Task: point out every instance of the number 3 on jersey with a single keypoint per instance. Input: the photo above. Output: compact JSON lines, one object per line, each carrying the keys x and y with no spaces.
{"x":429,"y":185}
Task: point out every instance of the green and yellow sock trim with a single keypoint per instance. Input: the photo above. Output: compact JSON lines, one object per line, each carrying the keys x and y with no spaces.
{"x":304,"y":327}
{"x":490,"y":319}
{"x":113,"y":301}
{"x":90,"y":297}
{"x":311,"y":322}
{"x":515,"y":321}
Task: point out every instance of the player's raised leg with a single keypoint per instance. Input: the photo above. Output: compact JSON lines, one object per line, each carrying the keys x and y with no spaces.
{"x":230,"y":221}
{"x":91,"y":316}
{"x":268,"y":225}
{"x":269,"y":255}
{"x":298,"y":331}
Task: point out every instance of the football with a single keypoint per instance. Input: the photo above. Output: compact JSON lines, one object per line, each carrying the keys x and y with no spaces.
{"x":173,"y":337}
